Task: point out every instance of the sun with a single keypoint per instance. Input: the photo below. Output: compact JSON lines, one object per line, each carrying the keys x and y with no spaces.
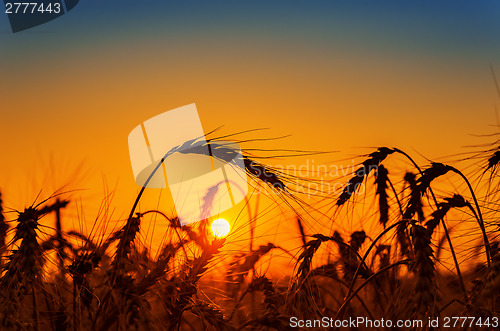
{"x":220,"y":228}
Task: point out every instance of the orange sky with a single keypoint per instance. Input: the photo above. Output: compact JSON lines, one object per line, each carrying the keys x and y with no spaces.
{"x":85,"y":111}
{"x":73,"y":99}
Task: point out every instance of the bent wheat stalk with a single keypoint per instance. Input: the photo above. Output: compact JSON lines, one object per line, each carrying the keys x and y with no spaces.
{"x":443,"y":223}
{"x":479,"y":215}
{"x":195,"y":146}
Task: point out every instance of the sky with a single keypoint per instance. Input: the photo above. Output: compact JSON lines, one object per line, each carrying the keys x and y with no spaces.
{"x":343,"y":76}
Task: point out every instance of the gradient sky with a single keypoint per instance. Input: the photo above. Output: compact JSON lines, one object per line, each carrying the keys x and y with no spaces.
{"x":336,"y":75}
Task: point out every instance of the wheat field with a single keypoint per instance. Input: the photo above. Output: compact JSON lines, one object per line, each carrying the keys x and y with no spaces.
{"x":423,"y":249}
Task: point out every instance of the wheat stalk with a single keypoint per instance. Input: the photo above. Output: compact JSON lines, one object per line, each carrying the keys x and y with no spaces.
{"x":425,"y":294}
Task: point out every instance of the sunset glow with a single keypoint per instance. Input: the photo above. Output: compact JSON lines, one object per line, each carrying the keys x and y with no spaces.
{"x":240,"y":165}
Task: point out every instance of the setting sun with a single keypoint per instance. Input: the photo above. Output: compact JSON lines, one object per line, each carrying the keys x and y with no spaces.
{"x":220,"y":227}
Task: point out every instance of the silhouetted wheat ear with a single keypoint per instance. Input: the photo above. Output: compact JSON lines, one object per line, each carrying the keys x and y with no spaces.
{"x":222,"y":151}
{"x":423,"y":183}
{"x":271,"y":299}
{"x":357,"y":239}
{"x":367,"y":166}
{"x":243,"y":263}
{"x":305,"y":258}
{"x":23,"y":269}
{"x":487,"y":288}
{"x":264,"y":173}
{"x":82,"y":266}
{"x":127,"y":236}
{"x":381,"y":180}
{"x":457,"y":201}
{"x":302,"y":232}
{"x":211,"y":316}
{"x":402,"y":238}
{"x":491,"y":288}
{"x":167,"y":254}
{"x":25,"y":263}
{"x":425,"y":294}
{"x":350,"y":260}
{"x":185,"y":287}
{"x":384,"y":253}
{"x":348,"y":256}
{"x":493,"y":160}
{"x":411,"y":179}
{"x":131,"y":306}
{"x":62,"y":243}
{"x":4,"y":227}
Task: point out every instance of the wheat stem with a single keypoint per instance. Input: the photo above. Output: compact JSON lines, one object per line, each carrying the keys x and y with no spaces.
{"x":479,"y":214}
{"x":352,"y":294}
{"x":365,"y":256}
